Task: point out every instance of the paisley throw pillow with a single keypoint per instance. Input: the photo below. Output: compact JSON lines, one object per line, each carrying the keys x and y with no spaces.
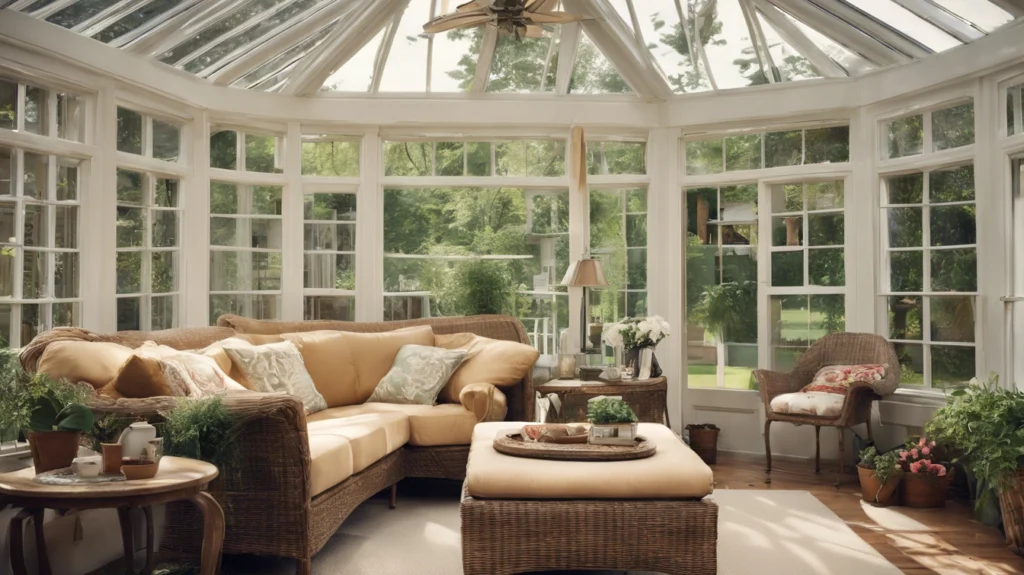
{"x":278,"y":367}
{"x":418,"y":374}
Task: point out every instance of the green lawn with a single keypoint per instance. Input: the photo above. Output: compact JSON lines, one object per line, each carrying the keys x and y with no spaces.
{"x":703,"y":375}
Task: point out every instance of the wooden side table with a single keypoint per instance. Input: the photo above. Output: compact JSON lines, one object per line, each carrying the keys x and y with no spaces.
{"x":647,"y":397}
{"x":178,"y":479}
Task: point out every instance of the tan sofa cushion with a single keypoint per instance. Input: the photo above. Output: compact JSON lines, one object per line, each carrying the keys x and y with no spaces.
{"x":486,"y":402}
{"x":429,"y":425}
{"x":498,"y":362}
{"x":340,"y":447}
{"x":345,"y":366}
{"x":330,"y":460}
{"x":674,"y":471}
{"x":94,"y":362}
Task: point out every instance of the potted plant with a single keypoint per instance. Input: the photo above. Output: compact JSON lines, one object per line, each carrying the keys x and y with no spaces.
{"x":704,"y":441}
{"x":925,"y":482}
{"x":880,"y":475}
{"x":981,"y":423}
{"x":612,"y":421}
{"x":52,"y":411}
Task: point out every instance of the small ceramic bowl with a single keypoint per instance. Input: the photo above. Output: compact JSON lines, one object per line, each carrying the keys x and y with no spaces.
{"x":139,"y":469}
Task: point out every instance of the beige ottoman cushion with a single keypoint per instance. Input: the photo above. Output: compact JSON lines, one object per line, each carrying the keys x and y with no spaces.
{"x":673,"y":472}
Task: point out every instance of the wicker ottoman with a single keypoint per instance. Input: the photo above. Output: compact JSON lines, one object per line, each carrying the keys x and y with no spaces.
{"x":521,"y":515}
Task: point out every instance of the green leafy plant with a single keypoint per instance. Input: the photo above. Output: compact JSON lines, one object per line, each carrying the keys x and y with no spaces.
{"x":885,"y":465}
{"x":107,"y":429}
{"x":984,"y":424}
{"x":38,"y":402}
{"x":202,"y":429}
{"x":729,"y":310}
{"x":608,"y":410}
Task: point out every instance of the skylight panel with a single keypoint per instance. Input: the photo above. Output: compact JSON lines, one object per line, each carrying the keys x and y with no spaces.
{"x":791,"y":63}
{"x":79,"y":12}
{"x":526,"y":64}
{"x":454,"y":57}
{"x":985,"y":15}
{"x":356,"y":75}
{"x":218,"y":29}
{"x":593,"y":73}
{"x":622,"y":8}
{"x":37,"y":5}
{"x":663,"y":33}
{"x":134,"y":20}
{"x":406,"y":67}
{"x":913,"y":26}
{"x":729,"y":49}
{"x":853,"y":63}
{"x":284,"y":59}
{"x":273,"y":22}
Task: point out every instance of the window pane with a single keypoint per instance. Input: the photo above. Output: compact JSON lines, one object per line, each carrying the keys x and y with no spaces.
{"x":478,"y":158}
{"x":35,"y":179}
{"x":340,"y":207}
{"x":9,"y":106}
{"x":788,"y":268}
{"x":330,"y":271}
{"x":34,"y":275}
{"x":164,"y":271}
{"x":260,"y":154}
{"x":826,"y":267}
{"x":6,"y":274}
{"x":636,"y":267}
{"x":825,"y":195}
{"x":788,"y":231}
{"x":905,"y":227}
{"x":166,"y":193}
{"x":330,"y":237}
{"x":704,"y":157}
{"x":905,"y":136}
{"x":8,"y":171}
{"x":911,"y":358}
{"x":129,"y":187}
{"x":66,"y":314}
{"x":743,"y":152}
{"x":636,"y":230}
{"x":166,"y":141}
{"x":330,"y":158}
{"x":828,"y":315}
{"x":223,"y":198}
{"x":1014,"y":108}
{"x":163,"y":315}
{"x":955,"y":270}
{"x":952,"y":185}
{"x":953,"y":225}
{"x":129,"y":131}
{"x":449,"y":159}
{"x":128,"y":313}
{"x":8,"y":234}
{"x":65,"y":275}
{"x":906,"y":189}
{"x":952,"y":366}
{"x":266,"y":200}
{"x":245,"y":232}
{"x":905,"y":317}
{"x":36,"y":105}
{"x":408,"y":158}
{"x":165,"y":228}
{"x":529,"y":64}
{"x":251,"y":306}
{"x":129,"y":272}
{"x":67,"y":179}
{"x":130,"y":227}
{"x":455,"y":54}
{"x":338,"y":308}
{"x":826,"y":229}
{"x":666,"y":40}
{"x":530,"y":158}
{"x":729,"y":50}
{"x":66,"y":229}
{"x":783,"y":149}
{"x":33,"y":322}
{"x":223,"y":149}
{"x":36,"y":228}
{"x":906,"y":271}
{"x":616,"y":158}
{"x":787,"y":198}
{"x":952,"y":319}
{"x":827,"y":145}
{"x":406,"y":69}
{"x":356,"y":74}
{"x":70,"y":117}
{"x":790,"y":330}
{"x":245,"y":271}
{"x":953,"y":127}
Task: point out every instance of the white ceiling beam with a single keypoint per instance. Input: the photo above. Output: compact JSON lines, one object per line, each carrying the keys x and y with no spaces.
{"x":1014,"y":7}
{"x":873,"y":27}
{"x":50,"y":9}
{"x":641,"y":46}
{"x":799,"y":41}
{"x":567,"y":46}
{"x":604,"y":27}
{"x":182,"y":26}
{"x":153,"y":24}
{"x":241,"y":29}
{"x":764,"y":55}
{"x":263,"y":50}
{"x":380,"y":59}
{"x":840,"y":32}
{"x":362,"y":25}
{"x":489,"y":43}
{"x":937,"y":15}
{"x":108,"y":16}
{"x":696,"y":48}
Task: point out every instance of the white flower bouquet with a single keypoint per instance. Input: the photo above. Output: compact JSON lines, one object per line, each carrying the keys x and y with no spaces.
{"x":631,"y":333}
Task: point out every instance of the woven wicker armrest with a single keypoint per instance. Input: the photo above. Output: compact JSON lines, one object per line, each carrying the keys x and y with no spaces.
{"x":773,"y":383}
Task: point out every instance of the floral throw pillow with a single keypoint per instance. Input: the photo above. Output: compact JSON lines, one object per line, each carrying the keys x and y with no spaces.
{"x":417,"y":375}
{"x":839,"y":378}
{"x":278,"y":367}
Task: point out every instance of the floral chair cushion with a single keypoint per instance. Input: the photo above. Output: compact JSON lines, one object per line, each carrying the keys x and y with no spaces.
{"x":418,"y":374}
{"x":816,"y":403}
{"x":838,"y":378}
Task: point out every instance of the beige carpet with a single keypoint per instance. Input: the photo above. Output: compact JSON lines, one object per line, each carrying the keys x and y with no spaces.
{"x":763,"y":532}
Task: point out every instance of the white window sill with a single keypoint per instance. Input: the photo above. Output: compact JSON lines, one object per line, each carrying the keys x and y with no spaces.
{"x":910,"y":407}
{"x":13,"y":458}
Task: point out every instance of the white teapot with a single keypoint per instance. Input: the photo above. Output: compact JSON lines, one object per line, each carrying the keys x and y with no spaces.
{"x":135,"y":438}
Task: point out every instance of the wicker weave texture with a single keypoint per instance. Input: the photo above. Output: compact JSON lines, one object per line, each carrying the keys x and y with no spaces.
{"x":441,"y":462}
{"x":648,"y":399}
{"x":504,"y":537}
{"x":1011,"y":504}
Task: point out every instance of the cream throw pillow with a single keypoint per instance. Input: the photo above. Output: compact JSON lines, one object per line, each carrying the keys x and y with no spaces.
{"x":498,"y":362}
{"x":278,"y":367}
{"x":418,"y":374}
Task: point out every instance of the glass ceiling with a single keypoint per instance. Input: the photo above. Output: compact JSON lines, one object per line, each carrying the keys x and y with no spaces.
{"x":680,"y":45}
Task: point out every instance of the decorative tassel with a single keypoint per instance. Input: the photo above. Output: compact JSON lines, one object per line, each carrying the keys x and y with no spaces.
{"x":78,"y":528}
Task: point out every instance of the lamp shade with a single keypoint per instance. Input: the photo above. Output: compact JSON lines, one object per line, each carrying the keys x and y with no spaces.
{"x":585,"y":273}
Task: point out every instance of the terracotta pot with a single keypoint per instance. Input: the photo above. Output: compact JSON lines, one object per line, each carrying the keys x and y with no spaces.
{"x":53,"y":449}
{"x":704,"y":442}
{"x":924,"y":490}
{"x":872,"y":490}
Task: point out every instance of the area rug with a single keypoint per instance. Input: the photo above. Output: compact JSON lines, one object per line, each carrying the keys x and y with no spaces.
{"x":763,"y":532}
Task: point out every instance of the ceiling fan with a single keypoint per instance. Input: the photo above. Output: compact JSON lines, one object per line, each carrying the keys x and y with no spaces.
{"x":522,"y":18}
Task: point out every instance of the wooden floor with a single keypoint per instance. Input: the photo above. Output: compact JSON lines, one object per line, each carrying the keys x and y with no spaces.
{"x":942,"y":541}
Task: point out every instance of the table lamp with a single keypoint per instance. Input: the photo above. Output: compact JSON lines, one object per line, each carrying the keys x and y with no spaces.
{"x":585,"y":273}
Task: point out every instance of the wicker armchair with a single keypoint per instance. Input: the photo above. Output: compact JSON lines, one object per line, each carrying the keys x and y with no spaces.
{"x":833,"y":349}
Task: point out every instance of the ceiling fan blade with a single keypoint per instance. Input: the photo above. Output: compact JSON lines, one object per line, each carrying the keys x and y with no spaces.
{"x":533,"y":31}
{"x":452,"y":21}
{"x":472,"y":5}
{"x":540,"y":5}
{"x":552,"y":17}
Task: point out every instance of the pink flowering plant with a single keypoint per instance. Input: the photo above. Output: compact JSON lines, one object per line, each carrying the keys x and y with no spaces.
{"x":919,"y":457}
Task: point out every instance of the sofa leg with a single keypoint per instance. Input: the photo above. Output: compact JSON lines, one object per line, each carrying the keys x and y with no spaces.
{"x":393,"y":496}
{"x":768,"y":450}
{"x":842,"y":450}
{"x":303,"y":567}
{"x":817,"y":449}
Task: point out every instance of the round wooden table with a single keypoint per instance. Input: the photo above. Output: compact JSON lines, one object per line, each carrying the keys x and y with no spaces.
{"x":647,"y":397}
{"x":178,"y":479}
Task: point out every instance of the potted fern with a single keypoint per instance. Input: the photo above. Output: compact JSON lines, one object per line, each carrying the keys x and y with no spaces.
{"x":879,"y":475}
{"x":612,"y":421}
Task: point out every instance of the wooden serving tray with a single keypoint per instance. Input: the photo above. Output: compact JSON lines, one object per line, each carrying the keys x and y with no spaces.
{"x":514,"y":444}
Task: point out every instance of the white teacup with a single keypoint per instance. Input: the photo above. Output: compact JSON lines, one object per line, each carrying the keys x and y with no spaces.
{"x":87,"y":466}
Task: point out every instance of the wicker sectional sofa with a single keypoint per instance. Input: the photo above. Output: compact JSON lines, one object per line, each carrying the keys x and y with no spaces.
{"x":287,"y":497}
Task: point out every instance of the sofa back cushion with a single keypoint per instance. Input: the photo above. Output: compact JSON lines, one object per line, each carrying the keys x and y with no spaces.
{"x":94,"y":362}
{"x":346,"y":367}
{"x":501,"y":327}
{"x":497,"y":362}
